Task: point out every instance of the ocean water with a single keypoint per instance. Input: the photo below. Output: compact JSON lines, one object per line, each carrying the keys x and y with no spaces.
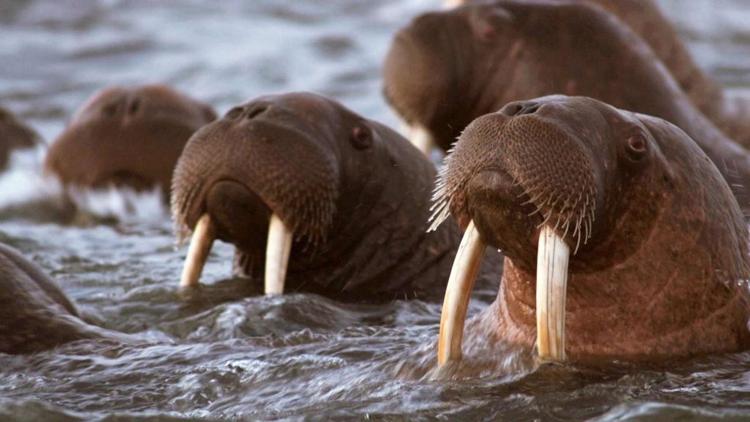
{"x":225,"y":352}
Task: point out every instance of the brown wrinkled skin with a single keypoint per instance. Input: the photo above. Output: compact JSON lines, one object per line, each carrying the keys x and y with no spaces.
{"x":126,"y":137}
{"x":447,"y":68}
{"x":14,"y":135}
{"x":355,"y":193}
{"x":35,"y":314}
{"x":646,"y":19}
{"x":658,"y":274}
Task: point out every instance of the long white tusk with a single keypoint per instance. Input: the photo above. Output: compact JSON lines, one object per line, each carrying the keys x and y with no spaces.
{"x":457,"y":295}
{"x":277,"y":255}
{"x":421,"y":138}
{"x":553,"y":256}
{"x":200,"y":246}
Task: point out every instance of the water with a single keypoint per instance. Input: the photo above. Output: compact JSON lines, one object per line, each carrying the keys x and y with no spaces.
{"x":225,"y":352}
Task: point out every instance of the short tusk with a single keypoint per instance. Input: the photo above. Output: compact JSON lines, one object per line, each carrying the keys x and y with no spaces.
{"x":553,"y":256}
{"x":200,"y":246}
{"x":277,"y":255}
{"x":460,"y":284}
{"x":449,"y":4}
{"x":422,"y":139}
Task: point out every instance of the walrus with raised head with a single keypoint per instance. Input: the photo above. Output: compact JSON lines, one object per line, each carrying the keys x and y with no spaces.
{"x":126,"y":137}
{"x":447,"y":68}
{"x":316,"y":198}
{"x":14,"y":135}
{"x":35,"y":314}
{"x":645,"y":18}
{"x":622,"y":240}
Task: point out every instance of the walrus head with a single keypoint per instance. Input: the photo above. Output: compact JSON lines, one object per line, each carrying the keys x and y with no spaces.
{"x":447,"y":68}
{"x":319,"y":197}
{"x":126,"y":137}
{"x":608,"y":209}
{"x":14,"y":135}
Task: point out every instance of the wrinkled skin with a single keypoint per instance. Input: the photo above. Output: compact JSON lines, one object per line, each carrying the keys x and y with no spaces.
{"x":126,"y":137}
{"x":14,"y":135}
{"x":447,"y":68}
{"x":646,"y":19}
{"x":354,"y":192}
{"x":661,"y":243}
{"x":35,"y":314}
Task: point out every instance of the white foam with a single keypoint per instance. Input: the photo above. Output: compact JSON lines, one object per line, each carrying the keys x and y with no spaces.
{"x":125,"y":204}
{"x":23,"y":181}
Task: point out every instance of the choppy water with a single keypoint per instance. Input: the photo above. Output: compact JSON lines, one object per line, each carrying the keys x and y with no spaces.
{"x":225,"y":352}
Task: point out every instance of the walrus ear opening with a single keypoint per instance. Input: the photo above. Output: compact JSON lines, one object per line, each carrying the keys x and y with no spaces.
{"x":361,"y":137}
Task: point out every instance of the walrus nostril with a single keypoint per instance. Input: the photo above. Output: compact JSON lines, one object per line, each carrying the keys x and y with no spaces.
{"x":234,"y":113}
{"x":135,"y":105}
{"x":255,"y":111}
{"x":519,"y":108}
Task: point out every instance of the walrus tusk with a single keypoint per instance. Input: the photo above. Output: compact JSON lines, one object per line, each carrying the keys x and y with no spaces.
{"x":277,"y":255}
{"x":457,"y":295}
{"x":553,"y":255}
{"x":449,"y":4}
{"x":200,"y":246}
{"x":422,"y":139}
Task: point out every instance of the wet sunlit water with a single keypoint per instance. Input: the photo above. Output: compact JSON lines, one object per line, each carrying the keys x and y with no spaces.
{"x":224,"y":351}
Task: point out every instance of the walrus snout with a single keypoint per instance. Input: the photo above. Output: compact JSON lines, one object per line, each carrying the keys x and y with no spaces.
{"x":126,"y":137}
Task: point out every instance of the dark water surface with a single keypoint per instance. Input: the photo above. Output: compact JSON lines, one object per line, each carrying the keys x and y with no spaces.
{"x":224,"y":352}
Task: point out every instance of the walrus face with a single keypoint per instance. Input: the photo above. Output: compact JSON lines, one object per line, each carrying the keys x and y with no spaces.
{"x":432,"y":66}
{"x":447,"y":68}
{"x":273,"y":172}
{"x":14,"y":135}
{"x":564,"y":186}
{"x":128,"y":137}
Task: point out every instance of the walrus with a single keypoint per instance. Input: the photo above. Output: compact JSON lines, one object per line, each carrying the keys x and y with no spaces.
{"x":35,"y":314}
{"x":14,"y":135}
{"x":646,"y":19}
{"x":126,"y":137}
{"x":316,"y":198}
{"x":621,"y":238}
{"x":447,"y":68}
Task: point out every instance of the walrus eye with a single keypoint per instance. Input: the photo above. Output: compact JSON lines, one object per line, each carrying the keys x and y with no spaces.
{"x":361,"y":137}
{"x":636,"y":147}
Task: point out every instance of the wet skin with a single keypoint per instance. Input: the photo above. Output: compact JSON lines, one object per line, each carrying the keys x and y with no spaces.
{"x":35,"y":314}
{"x":447,"y":68}
{"x":126,"y":137}
{"x":660,"y":253}
{"x":354,"y":193}
{"x":14,"y":135}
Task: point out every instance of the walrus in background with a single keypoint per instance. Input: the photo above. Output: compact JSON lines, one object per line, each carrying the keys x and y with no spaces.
{"x":622,"y":240}
{"x":331,"y":202}
{"x":729,"y":113}
{"x":14,"y":135}
{"x":35,"y":314}
{"x":447,"y":68}
{"x":126,"y":137}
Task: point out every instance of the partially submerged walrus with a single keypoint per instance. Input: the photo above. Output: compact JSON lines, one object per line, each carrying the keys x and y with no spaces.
{"x":35,"y":314}
{"x":622,"y":240}
{"x":645,"y":18}
{"x":14,"y":135}
{"x":126,"y":137}
{"x":447,"y":68}
{"x":319,"y":198}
